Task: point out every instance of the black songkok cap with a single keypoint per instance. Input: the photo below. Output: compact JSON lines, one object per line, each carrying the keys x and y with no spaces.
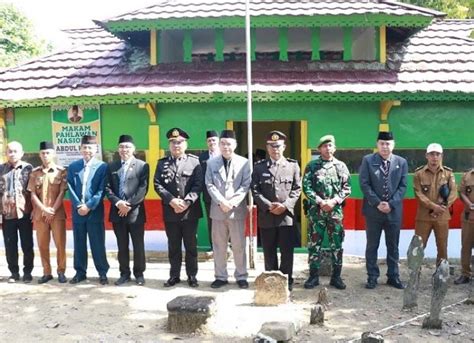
{"x":46,"y":145}
{"x":211,"y":133}
{"x":87,"y":139}
{"x":125,"y":139}
{"x":175,"y":133}
{"x":385,"y":136}
{"x":227,"y":134}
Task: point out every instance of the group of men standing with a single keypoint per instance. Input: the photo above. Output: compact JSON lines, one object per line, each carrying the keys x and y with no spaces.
{"x":225,"y":179}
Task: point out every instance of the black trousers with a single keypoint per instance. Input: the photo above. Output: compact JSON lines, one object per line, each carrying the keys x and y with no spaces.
{"x":123,"y":232}
{"x":209,"y":221}
{"x":278,"y":237}
{"x":178,"y":233}
{"x":11,"y":228}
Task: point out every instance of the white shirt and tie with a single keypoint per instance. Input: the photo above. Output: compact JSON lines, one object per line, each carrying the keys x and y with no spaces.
{"x":87,"y":170}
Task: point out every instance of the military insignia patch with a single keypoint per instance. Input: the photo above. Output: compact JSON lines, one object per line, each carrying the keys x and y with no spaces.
{"x":425,"y":189}
{"x":275,"y":137}
{"x":468,"y":189}
{"x":175,"y":133}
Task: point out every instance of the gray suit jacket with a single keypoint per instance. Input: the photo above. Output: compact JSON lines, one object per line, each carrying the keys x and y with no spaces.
{"x":371,"y":183}
{"x":232,"y":187}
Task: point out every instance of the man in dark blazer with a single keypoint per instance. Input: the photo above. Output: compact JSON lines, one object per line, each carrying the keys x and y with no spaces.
{"x":178,"y":181}
{"x":126,"y":189}
{"x":383,"y":180}
{"x":212,"y":141}
{"x":276,"y":187}
{"x":86,"y":179}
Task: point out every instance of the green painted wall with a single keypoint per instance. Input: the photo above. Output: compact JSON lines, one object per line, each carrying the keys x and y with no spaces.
{"x":33,"y":125}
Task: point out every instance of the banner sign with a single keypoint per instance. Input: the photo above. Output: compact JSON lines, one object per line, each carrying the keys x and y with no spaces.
{"x":69,"y":124}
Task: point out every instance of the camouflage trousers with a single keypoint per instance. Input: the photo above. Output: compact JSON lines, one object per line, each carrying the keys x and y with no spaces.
{"x":319,"y":226}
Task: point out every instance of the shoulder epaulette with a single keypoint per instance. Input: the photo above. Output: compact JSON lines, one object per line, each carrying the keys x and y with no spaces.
{"x":260,"y":162}
{"x":292,"y":160}
{"x":193,"y":156}
{"x":163,"y":158}
{"x":60,"y":168}
{"x":37,"y":168}
{"x":447,"y":168}
{"x":419,"y":168}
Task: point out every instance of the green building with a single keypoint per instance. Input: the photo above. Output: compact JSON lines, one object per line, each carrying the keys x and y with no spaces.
{"x":341,"y":67}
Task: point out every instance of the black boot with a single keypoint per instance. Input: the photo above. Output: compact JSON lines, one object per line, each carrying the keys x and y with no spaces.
{"x":313,"y":279}
{"x":336,"y":280}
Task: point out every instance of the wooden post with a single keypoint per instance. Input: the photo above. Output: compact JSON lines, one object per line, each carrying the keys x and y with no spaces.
{"x":283,"y":43}
{"x":315,"y":44}
{"x":347,"y":44}
{"x":219,"y":45}
{"x":187,"y":47}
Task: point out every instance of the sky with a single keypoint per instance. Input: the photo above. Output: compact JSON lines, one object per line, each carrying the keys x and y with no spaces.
{"x":49,"y":17}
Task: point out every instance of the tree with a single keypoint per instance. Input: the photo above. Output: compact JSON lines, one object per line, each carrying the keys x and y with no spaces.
{"x":460,"y":9}
{"x":17,"y":41}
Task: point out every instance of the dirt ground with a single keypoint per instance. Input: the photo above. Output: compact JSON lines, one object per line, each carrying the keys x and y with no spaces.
{"x":89,"y":312}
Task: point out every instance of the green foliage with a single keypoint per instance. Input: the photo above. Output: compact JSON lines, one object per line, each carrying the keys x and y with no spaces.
{"x":17,"y":41}
{"x":460,"y":9}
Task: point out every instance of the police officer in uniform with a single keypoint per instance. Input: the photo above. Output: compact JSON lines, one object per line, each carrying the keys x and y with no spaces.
{"x":466,"y":192}
{"x":435,"y":192}
{"x":48,"y":185}
{"x":276,"y":187}
{"x":326,"y":184}
{"x":178,"y":181}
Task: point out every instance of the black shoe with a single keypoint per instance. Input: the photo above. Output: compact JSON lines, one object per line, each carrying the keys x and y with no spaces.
{"x":371,"y":283}
{"x":313,"y":279}
{"x":193,"y":282}
{"x":27,"y":278}
{"x":103,"y":280}
{"x":172,"y":281}
{"x":336,"y":280}
{"x":243,"y":284}
{"x":395,"y":282}
{"x":45,"y":278}
{"x":218,"y":283}
{"x":140,"y":280}
{"x":462,"y":279}
{"x":123,"y":279}
{"x":62,"y":278}
{"x":14,"y":278}
{"x":77,"y":279}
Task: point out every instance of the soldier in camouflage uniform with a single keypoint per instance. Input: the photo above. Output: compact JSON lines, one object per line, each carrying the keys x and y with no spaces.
{"x":326,"y":184}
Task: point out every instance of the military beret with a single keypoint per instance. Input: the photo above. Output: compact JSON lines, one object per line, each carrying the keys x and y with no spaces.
{"x":326,"y":139}
{"x":46,"y":145}
{"x":385,"y":136}
{"x":227,"y":134}
{"x":125,"y":139}
{"x":211,"y":133}
{"x":274,"y":136}
{"x":88,"y":139}
{"x":175,"y":133}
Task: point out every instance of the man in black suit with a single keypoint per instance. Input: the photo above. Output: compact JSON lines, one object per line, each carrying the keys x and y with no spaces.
{"x":212,"y":141}
{"x":178,"y":181}
{"x":383,"y":180}
{"x":126,"y":189}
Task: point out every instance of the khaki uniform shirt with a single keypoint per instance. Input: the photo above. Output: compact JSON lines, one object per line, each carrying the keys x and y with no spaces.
{"x":15,"y":199}
{"x":427,"y":185}
{"x":467,"y":188}
{"x":47,"y":184}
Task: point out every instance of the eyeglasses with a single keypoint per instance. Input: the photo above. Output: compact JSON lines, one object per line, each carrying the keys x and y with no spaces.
{"x":275,"y":146}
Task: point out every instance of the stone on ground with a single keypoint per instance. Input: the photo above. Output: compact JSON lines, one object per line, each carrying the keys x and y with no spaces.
{"x":188,"y":313}
{"x":279,"y":331}
{"x":271,"y":288}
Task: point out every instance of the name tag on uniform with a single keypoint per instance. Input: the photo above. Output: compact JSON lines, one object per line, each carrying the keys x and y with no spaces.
{"x":266,"y":174}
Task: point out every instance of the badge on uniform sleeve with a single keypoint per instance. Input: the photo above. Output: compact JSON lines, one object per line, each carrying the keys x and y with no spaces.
{"x":425,"y":189}
{"x":468,"y":189}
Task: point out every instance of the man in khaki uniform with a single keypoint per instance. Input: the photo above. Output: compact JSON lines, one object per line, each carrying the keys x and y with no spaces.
{"x":47,"y":185}
{"x":466,"y":192}
{"x":435,"y":191}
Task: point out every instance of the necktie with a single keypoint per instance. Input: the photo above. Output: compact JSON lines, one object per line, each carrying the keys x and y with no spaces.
{"x":385,"y":190}
{"x":123,"y":174}
{"x":84,"y":181}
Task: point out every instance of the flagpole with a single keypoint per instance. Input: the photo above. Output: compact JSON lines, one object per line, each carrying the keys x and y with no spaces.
{"x":248,"y":60}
